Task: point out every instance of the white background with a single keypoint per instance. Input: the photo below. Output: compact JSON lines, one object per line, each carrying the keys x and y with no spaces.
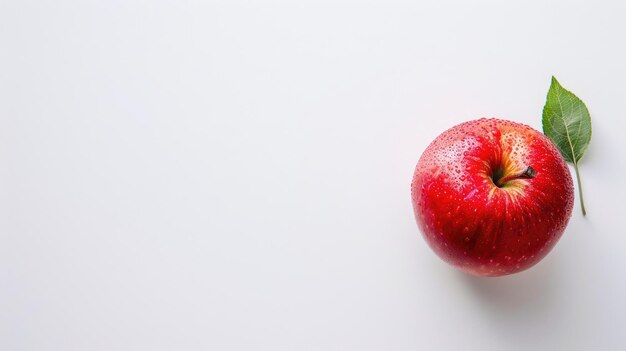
{"x":194,"y":175}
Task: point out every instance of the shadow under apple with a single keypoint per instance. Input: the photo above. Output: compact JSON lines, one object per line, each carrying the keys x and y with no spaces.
{"x":521,"y":306}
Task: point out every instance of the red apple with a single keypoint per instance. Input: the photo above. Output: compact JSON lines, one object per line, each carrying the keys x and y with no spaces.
{"x":492,"y":197}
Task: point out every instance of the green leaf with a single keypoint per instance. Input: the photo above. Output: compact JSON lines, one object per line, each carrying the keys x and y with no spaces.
{"x":567,"y":122}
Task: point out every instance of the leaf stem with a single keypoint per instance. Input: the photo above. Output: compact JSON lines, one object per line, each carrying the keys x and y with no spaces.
{"x":580,"y":189}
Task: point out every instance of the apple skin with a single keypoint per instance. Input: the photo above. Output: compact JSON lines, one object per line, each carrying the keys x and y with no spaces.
{"x":480,"y":227}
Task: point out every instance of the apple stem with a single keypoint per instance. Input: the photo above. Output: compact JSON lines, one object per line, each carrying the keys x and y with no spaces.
{"x":527,"y":173}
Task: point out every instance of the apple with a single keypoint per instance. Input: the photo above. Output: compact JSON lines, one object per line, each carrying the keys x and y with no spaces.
{"x":492,"y":197}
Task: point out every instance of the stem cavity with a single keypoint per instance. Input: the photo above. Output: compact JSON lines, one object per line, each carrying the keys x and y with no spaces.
{"x":527,"y":173}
